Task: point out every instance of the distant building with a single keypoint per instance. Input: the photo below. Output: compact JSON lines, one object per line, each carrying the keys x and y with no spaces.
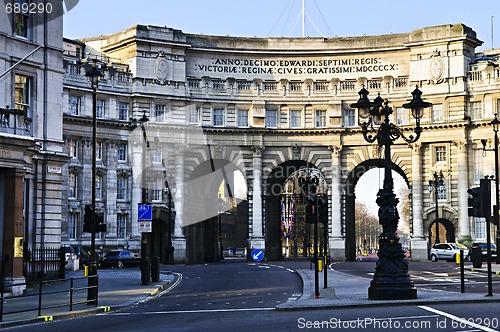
{"x":267,"y":107}
{"x":31,"y":142}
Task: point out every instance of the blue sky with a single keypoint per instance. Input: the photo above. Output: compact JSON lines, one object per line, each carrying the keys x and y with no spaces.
{"x":275,"y":18}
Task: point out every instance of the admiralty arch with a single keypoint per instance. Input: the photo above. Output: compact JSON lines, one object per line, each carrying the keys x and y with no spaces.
{"x":263,"y":109}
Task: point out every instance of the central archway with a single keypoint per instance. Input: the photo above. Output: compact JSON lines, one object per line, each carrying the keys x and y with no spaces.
{"x":273,"y":205}
{"x":350,"y":200}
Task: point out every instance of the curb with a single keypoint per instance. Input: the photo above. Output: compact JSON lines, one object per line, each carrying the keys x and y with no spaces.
{"x":84,"y":312}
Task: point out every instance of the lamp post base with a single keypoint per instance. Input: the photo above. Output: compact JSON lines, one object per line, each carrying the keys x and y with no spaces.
{"x":389,"y":288}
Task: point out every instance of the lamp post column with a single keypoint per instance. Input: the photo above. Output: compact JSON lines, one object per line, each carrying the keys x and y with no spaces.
{"x":497,"y":188}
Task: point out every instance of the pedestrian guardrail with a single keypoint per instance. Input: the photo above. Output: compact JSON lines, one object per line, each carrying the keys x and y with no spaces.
{"x":44,"y":297}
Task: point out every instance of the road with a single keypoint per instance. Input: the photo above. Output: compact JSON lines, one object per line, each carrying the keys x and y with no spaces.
{"x":241,"y":296}
{"x":441,"y":275}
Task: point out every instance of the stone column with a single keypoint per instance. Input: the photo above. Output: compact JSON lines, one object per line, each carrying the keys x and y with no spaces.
{"x":462,"y":184}
{"x":257,"y":236}
{"x":418,"y":244}
{"x":336,"y":240}
{"x":179,"y":239}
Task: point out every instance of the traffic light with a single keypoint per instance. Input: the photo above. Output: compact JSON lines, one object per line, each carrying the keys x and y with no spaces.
{"x":323,"y":210}
{"x":88,"y":219}
{"x":101,"y":226}
{"x":480,"y":202}
{"x":93,"y":222}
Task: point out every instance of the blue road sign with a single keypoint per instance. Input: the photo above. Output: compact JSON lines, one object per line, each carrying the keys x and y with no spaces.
{"x":257,"y":255}
{"x":145,"y":212}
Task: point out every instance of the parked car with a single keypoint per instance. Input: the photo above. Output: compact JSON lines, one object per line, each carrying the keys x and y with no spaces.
{"x":484,"y":250}
{"x":447,"y":251}
{"x":120,"y":258}
{"x":70,"y":252}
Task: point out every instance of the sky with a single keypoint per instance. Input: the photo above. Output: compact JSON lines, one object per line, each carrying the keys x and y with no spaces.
{"x":276,"y":18}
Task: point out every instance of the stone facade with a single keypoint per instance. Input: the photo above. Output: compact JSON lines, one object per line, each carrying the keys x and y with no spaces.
{"x":31,"y":140}
{"x":265,"y":107}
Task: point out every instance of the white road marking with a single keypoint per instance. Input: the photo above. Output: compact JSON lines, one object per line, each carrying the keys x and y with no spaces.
{"x":458,"y":319}
{"x":189,"y":311}
{"x":437,"y":274}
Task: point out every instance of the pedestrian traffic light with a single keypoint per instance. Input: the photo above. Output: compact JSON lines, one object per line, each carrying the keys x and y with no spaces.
{"x":323,"y":210}
{"x":101,"y":226}
{"x":88,"y":219}
{"x":485,"y":186}
{"x":474,"y":202}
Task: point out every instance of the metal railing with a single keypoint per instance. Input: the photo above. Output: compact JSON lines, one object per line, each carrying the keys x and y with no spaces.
{"x":46,"y":297}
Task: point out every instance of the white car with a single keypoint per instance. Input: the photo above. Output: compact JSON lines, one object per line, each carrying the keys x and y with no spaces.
{"x":447,"y":251}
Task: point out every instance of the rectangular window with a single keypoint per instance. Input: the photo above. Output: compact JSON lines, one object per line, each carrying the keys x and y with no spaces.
{"x":320,"y":118}
{"x":23,"y":94}
{"x":401,"y":116}
{"x":121,"y":188}
{"x":157,"y":191}
{"x":243,"y":85}
{"x":476,"y":108}
{"x":122,"y":152}
{"x":157,"y":155}
{"x":74,"y":105}
{"x":123,"y":111}
{"x":21,"y":18}
{"x":295,"y":119}
{"x":100,"y":108}
{"x":160,"y":111}
{"x":72,"y":185}
{"x":194,"y":115}
{"x":437,"y":113}
{"x":440,"y":153}
{"x":242,"y":118}
{"x":72,"y":225}
{"x":442,"y":193}
{"x":349,"y":118}
{"x":478,"y":165}
{"x":73,"y":148}
{"x":480,"y":228}
{"x":218,"y":117}
{"x":271,"y":119}
{"x":98,"y":151}
{"x":98,"y":187}
{"x":121,"y":225}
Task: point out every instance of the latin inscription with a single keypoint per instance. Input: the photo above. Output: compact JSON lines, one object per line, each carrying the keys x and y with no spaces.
{"x":296,"y":67}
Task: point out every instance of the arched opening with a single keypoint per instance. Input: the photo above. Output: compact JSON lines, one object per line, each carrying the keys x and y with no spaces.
{"x":216,"y":212}
{"x":275,"y":188}
{"x":366,"y":193}
{"x":446,"y":231}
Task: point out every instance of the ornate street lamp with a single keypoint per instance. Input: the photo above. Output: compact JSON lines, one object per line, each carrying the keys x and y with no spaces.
{"x":94,"y":74}
{"x":391,"y":280}
{"x":437,"y":185}
{"x":169,"y":190}
{"x":495,"y":123}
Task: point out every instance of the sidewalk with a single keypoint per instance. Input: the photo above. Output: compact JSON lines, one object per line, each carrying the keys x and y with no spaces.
{"x":117,"y":288}
{"x":346,"y":290}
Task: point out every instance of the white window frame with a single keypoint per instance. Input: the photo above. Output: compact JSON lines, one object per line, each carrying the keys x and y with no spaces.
{"x":320,"y":118}
{"x":25,"y":21}
{"x":22,"y":100}
{"x":160,"y":113}
{"x":75,"y":105}
{"x":242,"y":118}
{"x":122,"y":150}
{"x":194,"y":115}
{"x":349,"y":118}
{"x":295,"y":119}
{"x":476,"y":110}
{"x":100,"y":108}
{"x":218,"y":117}
{"x":437,"y":113}
{"x":401,"y":116}
{"x":121,"y":188}
{"x":121,"y":225}
{"x":271,"y":119}
{"x":123,"y":111}
{"x":73,"y":218}
{"x":73,"y":148}
{"x":72,"y":186}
